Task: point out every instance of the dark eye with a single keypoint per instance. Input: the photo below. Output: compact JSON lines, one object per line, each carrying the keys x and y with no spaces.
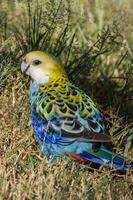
{"x":37,"y":62}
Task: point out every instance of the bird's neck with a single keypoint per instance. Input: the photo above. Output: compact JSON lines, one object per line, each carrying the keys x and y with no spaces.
{"x":60,"y":81}
{"x":33,"y":91}
{"x":55,"y":84}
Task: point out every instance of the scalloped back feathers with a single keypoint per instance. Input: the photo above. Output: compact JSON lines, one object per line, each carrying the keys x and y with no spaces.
{"x":66,"y":120}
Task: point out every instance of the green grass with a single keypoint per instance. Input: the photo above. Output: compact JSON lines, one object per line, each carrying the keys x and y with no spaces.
{"x":95,"y":36}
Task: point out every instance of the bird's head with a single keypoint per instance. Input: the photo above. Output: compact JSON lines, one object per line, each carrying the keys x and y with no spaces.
{"x":42,"y":67}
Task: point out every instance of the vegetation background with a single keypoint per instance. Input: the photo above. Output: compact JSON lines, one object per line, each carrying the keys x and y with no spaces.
{"x":94,"y":40}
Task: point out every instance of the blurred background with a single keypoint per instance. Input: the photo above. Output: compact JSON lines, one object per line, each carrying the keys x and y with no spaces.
{"x":94,"y":41}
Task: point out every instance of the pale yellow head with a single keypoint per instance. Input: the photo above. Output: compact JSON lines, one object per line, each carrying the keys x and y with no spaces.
{"x":42,"y":67}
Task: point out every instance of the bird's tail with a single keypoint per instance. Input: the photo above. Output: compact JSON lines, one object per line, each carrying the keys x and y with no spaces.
{"x":106,"y":158}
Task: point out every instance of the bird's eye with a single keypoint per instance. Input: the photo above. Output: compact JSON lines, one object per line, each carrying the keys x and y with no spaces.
{"x":37,"y":62}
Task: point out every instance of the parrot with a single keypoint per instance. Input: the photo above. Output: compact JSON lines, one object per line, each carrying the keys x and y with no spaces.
{"x":65,"y":119}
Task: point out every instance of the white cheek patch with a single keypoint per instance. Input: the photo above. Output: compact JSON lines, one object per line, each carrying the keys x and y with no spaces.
{"x":38,"y":75}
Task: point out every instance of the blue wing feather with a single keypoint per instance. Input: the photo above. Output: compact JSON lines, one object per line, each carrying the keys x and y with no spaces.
{"x":53,"y":143}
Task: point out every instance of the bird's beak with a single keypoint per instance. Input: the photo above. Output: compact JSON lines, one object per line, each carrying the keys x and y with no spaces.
{"x":24,"y":67}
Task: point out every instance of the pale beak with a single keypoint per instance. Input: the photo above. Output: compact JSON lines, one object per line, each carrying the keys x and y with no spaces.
{"x":24,"y":67}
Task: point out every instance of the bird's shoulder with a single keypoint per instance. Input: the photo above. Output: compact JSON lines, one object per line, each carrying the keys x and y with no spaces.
{"x":63,"y":98}
{"x":70,"y":110}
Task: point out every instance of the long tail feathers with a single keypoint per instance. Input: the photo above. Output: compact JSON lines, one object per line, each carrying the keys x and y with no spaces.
{"x":106,"y":158}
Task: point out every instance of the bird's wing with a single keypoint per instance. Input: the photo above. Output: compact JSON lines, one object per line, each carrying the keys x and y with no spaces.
{"x":71,"y":113}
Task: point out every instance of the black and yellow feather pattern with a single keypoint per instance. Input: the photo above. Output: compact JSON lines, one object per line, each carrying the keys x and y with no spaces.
{"x":65,"y":120}
{"x":70,"y":112}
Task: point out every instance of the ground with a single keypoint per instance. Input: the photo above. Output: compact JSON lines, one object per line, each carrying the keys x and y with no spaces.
{"x":24,"y":172}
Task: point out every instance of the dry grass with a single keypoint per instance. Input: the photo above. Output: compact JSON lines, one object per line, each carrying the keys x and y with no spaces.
{"x":25,"y":174}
